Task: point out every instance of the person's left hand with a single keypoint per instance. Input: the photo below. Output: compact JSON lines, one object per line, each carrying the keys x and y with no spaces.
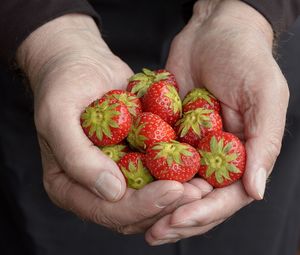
{"x":227,"y":48}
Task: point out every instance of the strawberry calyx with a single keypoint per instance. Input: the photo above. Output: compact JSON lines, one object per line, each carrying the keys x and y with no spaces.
{"x":99,"y":118}
{"x":194,"y":119}
{"x":218,"y":160}
{"x":127,"y":100}
{"x":172,"y":151}
{"x":145,"y":79}
{"x":175,"y":99}
{"x":198,"y":93}
{"x":134,"y":137}
{"x":137,"y":175}
{"x":115,"y":152}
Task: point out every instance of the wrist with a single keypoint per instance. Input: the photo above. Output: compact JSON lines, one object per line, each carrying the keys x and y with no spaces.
{"x":222,"y":12}
{"x":238,"y":12}
{"x":67,"y":38}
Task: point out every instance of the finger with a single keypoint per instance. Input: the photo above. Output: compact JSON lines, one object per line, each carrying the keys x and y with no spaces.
{"x":264,"y":119}
{"x":132,"y":208}
{"x":181,"y":71}
{"x":161,"y":232}
{"x":191,"y":193}
{"x":202,"y":185}
{"x":233,"y":121}
{"x":216,"y":206}
{"x":81,"y":160}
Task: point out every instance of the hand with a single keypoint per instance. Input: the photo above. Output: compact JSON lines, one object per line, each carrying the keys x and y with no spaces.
{"x":227,"y":48}
{"x":68,"y":66}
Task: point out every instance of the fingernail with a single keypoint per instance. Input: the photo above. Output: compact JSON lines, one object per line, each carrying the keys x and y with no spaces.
{"x":108,"y":186}
{"x":168,"y":198}
{"x":260,"y":182}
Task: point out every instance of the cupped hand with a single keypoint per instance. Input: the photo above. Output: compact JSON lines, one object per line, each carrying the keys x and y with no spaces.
{"x":227,"y":48}
{"x":69,"y":66}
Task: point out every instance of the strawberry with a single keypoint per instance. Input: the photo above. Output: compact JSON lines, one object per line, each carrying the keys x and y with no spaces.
{"x":163,"y":99}
{"x":140,"y":82}
{"x":134,"y":171}
{"x":195,"y":124}
{"x":148,"y":129}
{"x":172,"y":161}
{"x":223,"y":158}
{"x":115,"y":152}
{"x":132,"y":102}
{"x":170,"y":77}
{"x":106,"y":121}
{"x":200,"y":98}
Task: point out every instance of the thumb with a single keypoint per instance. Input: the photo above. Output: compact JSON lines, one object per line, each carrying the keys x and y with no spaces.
{"x":264,"y":120}
{"x":81,"y":160}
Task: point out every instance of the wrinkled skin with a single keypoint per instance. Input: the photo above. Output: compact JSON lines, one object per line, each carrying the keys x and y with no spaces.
{"x":227,"y":48}
{"x":69,"y":66}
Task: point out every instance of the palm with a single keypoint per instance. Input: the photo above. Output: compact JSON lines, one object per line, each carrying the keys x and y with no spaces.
{"x":226,"y":67}
{"x":223,"y":53}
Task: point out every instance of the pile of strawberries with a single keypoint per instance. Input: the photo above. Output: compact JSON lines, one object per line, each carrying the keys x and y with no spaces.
{"x":152,"y":134}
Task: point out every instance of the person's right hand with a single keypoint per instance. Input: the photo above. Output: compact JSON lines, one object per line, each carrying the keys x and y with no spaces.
{"x":68,"y":66}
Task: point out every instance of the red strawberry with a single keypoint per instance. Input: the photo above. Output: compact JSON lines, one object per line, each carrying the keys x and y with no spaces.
{"x":172,"y":161}
{"x":148,"y":129}
{"x":136,"y":174}
{"x":140,"y":82}
{"x":195,"y":124}
{"x":163,"y":99}
{"x":200,"y":98}
{"x":223,"y":158}
{"x":106,"y":121}
{"x":115,"y":152}
{"x":170,"y":77}
{"x":132,"y":102}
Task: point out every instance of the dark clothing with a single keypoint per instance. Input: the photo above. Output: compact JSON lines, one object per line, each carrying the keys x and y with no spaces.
{"x":19,"y":18}
{"x":31,"y":224}
{"x":280,"y":13}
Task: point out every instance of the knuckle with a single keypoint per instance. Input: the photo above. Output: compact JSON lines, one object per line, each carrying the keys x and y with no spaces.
{"x":126,"y":230}
{"x":55,"y":190}
{"x":98,"y":216}
{"x":58,"y":190}
{"x":142,"y":213}
{"x":273,"y":148}
{"x":47,"y":182}
{"x":158,"y":232}
{"x":48,"y":188}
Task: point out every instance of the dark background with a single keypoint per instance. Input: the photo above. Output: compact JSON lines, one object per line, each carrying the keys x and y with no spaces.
{"x":31,"y":224}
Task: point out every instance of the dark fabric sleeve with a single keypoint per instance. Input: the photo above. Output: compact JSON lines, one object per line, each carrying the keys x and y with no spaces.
{"x":18,"y":18}
{"x":280,"y":13}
